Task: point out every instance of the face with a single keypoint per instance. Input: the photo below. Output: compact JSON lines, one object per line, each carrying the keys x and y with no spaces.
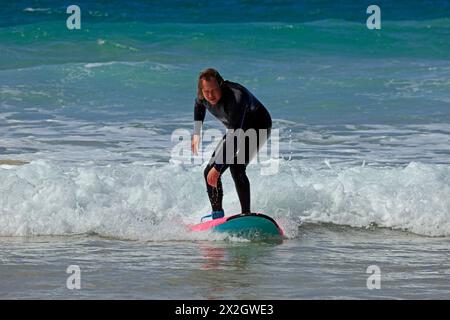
{"x":211,"y":91}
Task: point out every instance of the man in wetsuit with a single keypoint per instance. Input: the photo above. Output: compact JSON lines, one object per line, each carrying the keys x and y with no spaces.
{"x":236,"y":108}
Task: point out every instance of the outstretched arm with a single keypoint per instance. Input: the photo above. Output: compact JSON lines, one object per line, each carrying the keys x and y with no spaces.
{"x":199,"y":116}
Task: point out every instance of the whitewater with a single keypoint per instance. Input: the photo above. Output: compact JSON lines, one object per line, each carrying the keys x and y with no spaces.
{"x":359,"y":180}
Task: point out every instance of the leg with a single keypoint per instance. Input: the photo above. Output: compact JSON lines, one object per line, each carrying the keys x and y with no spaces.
{"x":242,"y":185}
{"x":215,"y":194}
{"x":238,"y":171}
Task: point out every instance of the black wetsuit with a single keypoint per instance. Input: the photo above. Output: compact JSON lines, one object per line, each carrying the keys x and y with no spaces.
{"x":237,"y":109}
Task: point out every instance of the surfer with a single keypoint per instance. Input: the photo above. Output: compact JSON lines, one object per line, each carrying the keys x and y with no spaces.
{"x":237,"y":108}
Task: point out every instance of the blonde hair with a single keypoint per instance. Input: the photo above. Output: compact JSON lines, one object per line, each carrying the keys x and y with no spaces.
{"x":207,"y":75}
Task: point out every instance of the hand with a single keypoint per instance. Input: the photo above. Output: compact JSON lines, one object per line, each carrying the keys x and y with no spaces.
{"x":213,"y":176}
{"x":194,"y":143}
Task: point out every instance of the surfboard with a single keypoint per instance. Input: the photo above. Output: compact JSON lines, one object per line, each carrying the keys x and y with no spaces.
{"x":252,"y":226}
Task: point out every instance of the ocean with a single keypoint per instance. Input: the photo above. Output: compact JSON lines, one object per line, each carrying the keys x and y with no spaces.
{"x":359,"y":163}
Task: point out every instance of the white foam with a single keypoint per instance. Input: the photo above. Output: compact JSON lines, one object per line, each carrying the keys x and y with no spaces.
{"x":155,"y":202}
{"x":100,"y":64}
{"x":140,"y":64}
{"x":127,"y":202}
{"x":415,"y":198}
{"x":36,"y":9}
{"x":380,"y":144}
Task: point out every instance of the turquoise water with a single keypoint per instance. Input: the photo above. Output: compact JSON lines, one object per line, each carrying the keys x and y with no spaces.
{"x":323,"y":53}
{"x":363,"y":119}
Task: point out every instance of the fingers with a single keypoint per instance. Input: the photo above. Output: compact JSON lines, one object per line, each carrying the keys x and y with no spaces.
{"x":194,"y":148}
{"x":210,"y":181}
{"x":212,"y":178}
{"x":194,"y":144}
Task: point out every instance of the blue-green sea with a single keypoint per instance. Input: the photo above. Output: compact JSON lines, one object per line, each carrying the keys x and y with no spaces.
{"x":87,"y":169}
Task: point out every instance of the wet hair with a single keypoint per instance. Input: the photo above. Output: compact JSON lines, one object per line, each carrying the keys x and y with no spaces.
{"x":207,"y":75}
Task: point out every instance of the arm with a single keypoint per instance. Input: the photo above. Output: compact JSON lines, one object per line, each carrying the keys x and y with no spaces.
{"x":199,"y":116}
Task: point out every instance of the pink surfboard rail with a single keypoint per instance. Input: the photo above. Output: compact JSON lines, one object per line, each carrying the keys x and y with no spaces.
{"x":207,"y":225}
{"x":212,"y":223}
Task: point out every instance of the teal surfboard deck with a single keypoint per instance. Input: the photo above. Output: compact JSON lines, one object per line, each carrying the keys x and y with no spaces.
{"x":251,"y":226}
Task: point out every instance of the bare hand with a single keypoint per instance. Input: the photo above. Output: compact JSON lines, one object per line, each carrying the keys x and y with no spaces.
{"x":194,"y":143}
{"x":213,"y":176}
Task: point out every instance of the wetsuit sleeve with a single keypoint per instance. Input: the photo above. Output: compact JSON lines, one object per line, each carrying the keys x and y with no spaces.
{"x":199,"y":116}
{"x":241,"y":108}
